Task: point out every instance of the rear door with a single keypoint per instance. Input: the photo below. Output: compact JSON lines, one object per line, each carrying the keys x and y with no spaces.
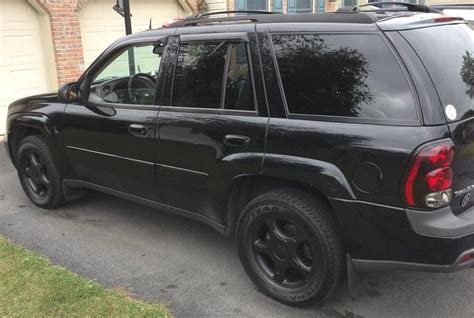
{"x":447,"y":53}
{"x":211,"y":126}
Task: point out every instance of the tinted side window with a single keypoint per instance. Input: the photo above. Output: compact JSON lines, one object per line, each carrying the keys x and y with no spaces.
{"x":199,"y":74}
{"x":448,"y":54}
{"x":342,"y":75}
{"x":238,"y":95}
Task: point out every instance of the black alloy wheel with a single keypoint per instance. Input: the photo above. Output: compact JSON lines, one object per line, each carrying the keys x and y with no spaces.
{"x":284,"y":252}
{"x":40,"y":172}
{"x":35,"y":174}
{"x":290,"y":246}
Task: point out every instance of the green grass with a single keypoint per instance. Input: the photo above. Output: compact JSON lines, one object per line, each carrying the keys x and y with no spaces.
{"x":31,"y":286}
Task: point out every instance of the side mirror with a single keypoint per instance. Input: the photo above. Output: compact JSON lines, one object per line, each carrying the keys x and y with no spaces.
{"x":68,"y":93}
{"x":159,"y":47}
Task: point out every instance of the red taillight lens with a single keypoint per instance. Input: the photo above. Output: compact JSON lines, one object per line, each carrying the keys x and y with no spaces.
{"x":439,"y":179}
{"x":440,"y":156}
{"x":465,"y":258}
{"x":411,"y":181}
{"x":447,"y":19}
{"x":429,"y":172}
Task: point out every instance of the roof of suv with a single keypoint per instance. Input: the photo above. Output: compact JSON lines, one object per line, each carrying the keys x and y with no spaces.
{"x":384,"y":19}
{"x":375,"y":12}
{"x":343,"y":17}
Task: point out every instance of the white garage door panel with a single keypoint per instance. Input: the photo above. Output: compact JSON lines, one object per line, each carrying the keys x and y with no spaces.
{"x":101,"y":26}
{"x":22,"y":64}
{"x":216,"y":5}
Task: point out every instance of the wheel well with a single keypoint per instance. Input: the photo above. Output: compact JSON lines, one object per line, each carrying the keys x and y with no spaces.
{"x":246,"y":188}
{"x":18,"y":133}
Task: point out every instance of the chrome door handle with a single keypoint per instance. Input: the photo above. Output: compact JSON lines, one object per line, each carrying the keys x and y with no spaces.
{"x":137,"y":129}
{"x":236,"y":140}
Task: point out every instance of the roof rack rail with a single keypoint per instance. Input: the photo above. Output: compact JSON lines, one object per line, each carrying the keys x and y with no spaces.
{"x":207,"y":14}
{"x":250,"y":15}
{"x":352,"y":17}
{"x":407,"y":7}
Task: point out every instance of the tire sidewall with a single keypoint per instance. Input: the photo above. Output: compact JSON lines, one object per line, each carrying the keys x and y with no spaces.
{"x":307,"y":293}
{"x":38,"y":146}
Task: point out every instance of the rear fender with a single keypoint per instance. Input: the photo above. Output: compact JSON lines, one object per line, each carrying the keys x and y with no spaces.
{"x":318,"y":174}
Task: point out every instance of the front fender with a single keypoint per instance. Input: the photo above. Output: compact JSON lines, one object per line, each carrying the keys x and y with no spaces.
{"x":319,"y":174}
{"x":35,"y":120}
{"x":21,"y":124}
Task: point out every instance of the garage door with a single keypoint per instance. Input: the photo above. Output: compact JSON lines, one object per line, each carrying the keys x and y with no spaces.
{"x":22,"y":70}
{"x":100,"y":25}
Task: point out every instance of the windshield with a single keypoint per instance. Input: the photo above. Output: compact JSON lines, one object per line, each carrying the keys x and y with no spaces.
{"x":135,"y":59}
{"x":448,"y":54}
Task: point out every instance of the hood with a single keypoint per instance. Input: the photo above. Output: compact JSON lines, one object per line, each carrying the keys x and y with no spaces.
{"x":32,"y":103}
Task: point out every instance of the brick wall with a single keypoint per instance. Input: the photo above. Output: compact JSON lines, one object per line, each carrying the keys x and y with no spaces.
{"x":66,"y":36}
{"x":197,"y":6}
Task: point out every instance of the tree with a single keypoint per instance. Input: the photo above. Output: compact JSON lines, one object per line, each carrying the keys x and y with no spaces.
{"x":467,"y":73}
{"x":322,"y":79}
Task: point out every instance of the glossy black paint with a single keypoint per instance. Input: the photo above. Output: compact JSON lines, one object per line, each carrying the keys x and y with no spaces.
{"x":180,"y":159}
{"x":463,"y":137}
{"x":41,"y":113}
{"x":195,"y":162}
{"x":383,"y":233}
{"x":104,"y":149}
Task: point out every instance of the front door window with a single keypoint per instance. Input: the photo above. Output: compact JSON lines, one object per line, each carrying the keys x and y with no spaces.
{"x":128,"y":78}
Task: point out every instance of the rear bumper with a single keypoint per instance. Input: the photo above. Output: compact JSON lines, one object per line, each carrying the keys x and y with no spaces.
{"x":442,"y":222}
{"x":382,"y":237}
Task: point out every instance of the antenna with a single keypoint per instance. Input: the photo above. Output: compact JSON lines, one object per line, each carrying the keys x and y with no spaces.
{"x":149,"y":26}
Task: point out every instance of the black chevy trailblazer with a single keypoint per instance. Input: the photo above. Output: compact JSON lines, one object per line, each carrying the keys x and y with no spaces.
{"x":323,"y":143}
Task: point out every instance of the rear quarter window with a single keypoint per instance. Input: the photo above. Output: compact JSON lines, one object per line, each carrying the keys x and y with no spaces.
{"x":346,"y":75}
{"x":448,"y":55}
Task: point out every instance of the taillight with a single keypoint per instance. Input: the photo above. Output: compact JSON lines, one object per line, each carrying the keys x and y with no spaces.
{"x":439,"y":179}
{"x":428,"y":181}
{"x":447,"y":18}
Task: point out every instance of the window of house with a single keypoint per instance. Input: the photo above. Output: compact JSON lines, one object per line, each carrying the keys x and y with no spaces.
{"x":199,"y":76}
{"x":251,"y":5}
{"x":300,"y":6}
{"x":346,"y":75}
{"x":406,"y":1}
{"x":129,"y":78}
{"x":278,"y":6}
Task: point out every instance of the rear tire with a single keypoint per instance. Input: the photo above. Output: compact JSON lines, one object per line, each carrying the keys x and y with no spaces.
{"x":290,"y":247}
{"x":39,"y":172}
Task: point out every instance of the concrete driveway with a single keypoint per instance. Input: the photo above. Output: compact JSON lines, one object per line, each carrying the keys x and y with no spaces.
{"x":158,"y":256}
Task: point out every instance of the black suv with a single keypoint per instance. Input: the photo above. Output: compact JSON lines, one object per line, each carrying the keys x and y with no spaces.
{"x":323,"y":143}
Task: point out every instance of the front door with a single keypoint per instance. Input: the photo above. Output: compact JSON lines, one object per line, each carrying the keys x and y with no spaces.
{"x":109,"y":136}
{"x":209,"y":127}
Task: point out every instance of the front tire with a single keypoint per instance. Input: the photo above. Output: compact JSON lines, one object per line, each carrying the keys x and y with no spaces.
{"x":290,"y":247}
{"x":39,"y":172}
